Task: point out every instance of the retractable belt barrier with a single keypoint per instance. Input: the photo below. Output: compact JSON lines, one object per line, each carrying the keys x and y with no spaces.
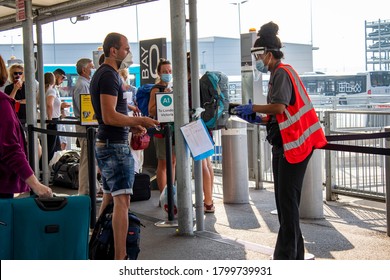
{"x":357,"y":149}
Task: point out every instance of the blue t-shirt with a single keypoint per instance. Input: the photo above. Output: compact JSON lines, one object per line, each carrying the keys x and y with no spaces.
{"x":106,"y":80}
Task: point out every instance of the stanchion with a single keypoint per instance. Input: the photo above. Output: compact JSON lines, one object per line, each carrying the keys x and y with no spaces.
{"x":92,"y":173}
{"x":31,"y":154}
{"x":172,"y":222}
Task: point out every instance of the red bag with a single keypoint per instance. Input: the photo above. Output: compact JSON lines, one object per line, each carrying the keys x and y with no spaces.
{"x":140,"y":142}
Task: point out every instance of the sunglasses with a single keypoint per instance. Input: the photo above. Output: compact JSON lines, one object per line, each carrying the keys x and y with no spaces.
{"x":18,"y":73}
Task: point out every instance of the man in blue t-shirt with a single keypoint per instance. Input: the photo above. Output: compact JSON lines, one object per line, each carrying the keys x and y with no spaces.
{"x":112,"y":148}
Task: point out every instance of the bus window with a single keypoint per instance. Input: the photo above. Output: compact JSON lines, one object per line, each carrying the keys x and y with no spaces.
{"x":351,"y":84}
{"x":380,"y":79}
{"x":330,"y":89}
{"x":311,"y":87}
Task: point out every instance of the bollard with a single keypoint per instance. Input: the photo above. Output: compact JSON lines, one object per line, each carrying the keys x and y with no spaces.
{"x":235,"y":162}
{"x":311,"y":206}
{"x":91,"y":132}
{"x":168,"y":149}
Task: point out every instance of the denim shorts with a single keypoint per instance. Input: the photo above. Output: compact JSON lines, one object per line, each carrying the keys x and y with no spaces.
{"x":117,"y":168}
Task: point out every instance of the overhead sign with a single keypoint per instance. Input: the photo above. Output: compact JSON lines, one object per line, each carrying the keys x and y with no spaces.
{"x":164,"y":104}
{"x":20,"y":10}
{"x":150,"y":53}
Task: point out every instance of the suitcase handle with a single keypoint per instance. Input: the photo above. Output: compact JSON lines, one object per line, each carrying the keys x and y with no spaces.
{"x":51,"y":204}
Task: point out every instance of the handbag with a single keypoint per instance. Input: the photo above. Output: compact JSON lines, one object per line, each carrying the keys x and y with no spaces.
{"x":140,"y":142}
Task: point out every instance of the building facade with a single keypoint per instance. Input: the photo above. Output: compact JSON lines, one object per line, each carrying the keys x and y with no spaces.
{"x":215,"y":53}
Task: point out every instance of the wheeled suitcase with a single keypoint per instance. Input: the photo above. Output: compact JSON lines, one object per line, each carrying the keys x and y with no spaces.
{"x":141,"y":187}
{"x":6,"y":239}
{"x":46,"y":229}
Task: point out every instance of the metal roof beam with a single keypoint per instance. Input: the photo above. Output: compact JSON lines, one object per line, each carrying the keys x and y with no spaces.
{"x":67,"y":10}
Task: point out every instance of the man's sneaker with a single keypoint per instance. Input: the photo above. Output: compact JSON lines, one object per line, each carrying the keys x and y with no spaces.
{"x":209,"y":208}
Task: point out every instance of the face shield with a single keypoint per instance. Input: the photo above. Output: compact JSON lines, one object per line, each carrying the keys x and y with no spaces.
{"x":255,"y":54}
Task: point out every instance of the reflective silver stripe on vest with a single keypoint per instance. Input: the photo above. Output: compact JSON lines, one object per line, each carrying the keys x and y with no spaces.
{"x":291,"y":119}
{"x":306,"y":134}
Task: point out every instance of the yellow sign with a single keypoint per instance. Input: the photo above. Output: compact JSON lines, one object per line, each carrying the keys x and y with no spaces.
{"x":87,"y":114}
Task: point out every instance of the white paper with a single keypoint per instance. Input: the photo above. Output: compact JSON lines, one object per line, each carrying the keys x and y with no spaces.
{"x":198,"y":139}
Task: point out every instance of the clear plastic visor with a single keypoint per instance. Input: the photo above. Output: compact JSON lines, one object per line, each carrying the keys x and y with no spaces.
{"x":256,"y":52}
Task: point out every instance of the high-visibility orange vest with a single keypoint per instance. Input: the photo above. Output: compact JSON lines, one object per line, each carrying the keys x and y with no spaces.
{"x":299,"y":125}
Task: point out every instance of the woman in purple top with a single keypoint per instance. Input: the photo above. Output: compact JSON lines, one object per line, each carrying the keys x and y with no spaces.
{"x":16,"y":175}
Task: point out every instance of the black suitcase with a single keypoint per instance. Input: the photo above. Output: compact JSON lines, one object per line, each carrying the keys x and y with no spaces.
{"x":141,"y":187}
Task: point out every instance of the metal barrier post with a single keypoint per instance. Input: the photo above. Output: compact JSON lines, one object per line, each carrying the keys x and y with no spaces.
{"x":92,"y":173}
{"x":387,"y":168}
{"x":235,"y":162}
{"x":168,"y":149}
{"x":311,"y":206}
{"x":31,"y":144}
{"x":170,"y":196}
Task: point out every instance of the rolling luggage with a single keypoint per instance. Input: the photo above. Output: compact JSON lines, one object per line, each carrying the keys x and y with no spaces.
{"x":6,"y":239}
{"x":45,"y":229}
{"x":141,"y":187}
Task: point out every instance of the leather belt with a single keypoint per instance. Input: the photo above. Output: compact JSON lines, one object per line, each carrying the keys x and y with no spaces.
{"x":108,"y":141}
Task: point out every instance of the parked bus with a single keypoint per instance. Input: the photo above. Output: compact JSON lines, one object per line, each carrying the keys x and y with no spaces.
{"x":362,"y":88}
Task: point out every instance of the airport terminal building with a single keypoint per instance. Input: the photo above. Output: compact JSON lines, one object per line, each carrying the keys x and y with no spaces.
{"x":215,"y":53}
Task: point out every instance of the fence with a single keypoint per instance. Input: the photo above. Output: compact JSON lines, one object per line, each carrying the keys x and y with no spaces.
{"x":345,"y":172}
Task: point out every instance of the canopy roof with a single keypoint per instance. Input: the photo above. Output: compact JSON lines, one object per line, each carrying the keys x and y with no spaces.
{"x":51,"y":10}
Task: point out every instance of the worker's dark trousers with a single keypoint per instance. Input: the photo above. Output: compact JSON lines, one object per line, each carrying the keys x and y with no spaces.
{"x":288,"y":179}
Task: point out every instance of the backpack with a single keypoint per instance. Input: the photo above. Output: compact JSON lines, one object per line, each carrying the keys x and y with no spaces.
{"x":66,"y":170}
{"x":143,"y":95}
{"x":214,"y":98}
{"x":101,"y":244}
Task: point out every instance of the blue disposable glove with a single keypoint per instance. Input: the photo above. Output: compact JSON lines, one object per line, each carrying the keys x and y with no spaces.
{"x":250,"y":119}
{"x":256,"y":120}
{"x":243,"y":110}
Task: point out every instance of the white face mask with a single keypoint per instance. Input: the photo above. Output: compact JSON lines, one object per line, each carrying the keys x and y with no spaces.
{"x":127,"y":61}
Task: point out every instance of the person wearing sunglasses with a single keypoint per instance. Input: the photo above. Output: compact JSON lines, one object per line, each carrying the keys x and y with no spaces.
{"x":293,"y":130}
{"x":17,"y":90}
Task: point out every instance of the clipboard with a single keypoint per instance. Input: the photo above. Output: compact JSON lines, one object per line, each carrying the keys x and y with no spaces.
{"x":198,"y":139}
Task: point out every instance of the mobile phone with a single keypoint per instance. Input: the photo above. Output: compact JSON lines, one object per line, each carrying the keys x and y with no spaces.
{"x":232,"y":107}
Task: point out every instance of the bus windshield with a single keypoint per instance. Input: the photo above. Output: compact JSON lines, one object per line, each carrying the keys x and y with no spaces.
{"x":380,"y":78}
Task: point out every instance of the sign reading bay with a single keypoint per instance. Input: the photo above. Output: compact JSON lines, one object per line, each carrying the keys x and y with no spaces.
{"x":164,"y":103}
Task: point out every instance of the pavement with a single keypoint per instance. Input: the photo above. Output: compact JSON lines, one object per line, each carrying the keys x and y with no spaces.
{"x":352,"y":229}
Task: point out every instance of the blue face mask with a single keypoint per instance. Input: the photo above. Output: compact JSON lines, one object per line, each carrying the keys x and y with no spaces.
{"x":261,"y":67}
{"x":166,"y":78}
{"x":92,"y":72}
